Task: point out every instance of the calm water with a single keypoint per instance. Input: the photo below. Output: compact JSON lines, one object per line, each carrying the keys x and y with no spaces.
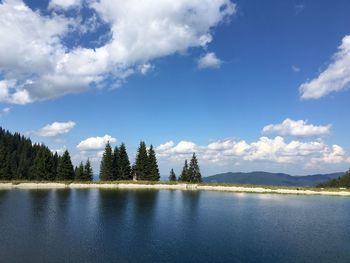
{"x":171,"y":226}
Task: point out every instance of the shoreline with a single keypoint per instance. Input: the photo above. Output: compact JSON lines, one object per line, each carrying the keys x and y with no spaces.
{"x":177,"y":186}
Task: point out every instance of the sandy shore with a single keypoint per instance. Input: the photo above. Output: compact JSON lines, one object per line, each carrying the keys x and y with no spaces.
{"x":239,"y":189}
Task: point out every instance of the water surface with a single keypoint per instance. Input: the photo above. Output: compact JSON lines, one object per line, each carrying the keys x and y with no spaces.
{"x":95,"y":225}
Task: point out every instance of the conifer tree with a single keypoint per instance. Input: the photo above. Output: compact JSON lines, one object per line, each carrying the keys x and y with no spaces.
{"x":79,"y":172}
{"x":124,"y":164}
{"x":141,"y":164}
{"x":65,"y":170}
{"x":153,"y":170}
{"x":55,"y":159}
{"x":115,"y":164}
{"x":184,"y":176}
{"x":172,"y":176}
{"x":43,"y":167}
{"x":88,"y":171}
{"x":106,"y":167}
{"x":194,"y":171}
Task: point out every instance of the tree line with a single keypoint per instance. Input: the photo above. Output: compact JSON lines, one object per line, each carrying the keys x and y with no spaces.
{"x":20,"y":159}
{"x":342,"y":181}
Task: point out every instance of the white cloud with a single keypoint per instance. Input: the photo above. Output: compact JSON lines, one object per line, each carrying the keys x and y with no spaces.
{"x":95,"y":143}
{"x":297,"y":128}
{"x":5,"y":111}
{"x":299,"y":8}
{"x":59,"y":151}
{"x":271,"y":150}
{"x":64,"y":4}
{"x":295,"y":69}
{"x":56,"y":128}
{"x":36,"y":64}
{"x":335,"y":77}
{"x":145,"y":68}
{"x":209,"y":60}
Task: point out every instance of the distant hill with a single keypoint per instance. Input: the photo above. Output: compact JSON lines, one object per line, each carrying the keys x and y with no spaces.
{"x":265,"y":178}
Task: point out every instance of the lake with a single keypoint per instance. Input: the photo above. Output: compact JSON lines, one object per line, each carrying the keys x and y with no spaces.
{"x":95,"y":225}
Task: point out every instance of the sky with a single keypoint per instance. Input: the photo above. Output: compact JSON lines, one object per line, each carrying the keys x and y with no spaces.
{"x":246,"y":84}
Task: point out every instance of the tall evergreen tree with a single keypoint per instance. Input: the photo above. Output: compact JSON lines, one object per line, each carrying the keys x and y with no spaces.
{"x":55,"y":159}
{"x":194,"y":171}
{"x":43,"y":167}
{"x":153,"y":170}
{"x":172,"y":176}
{"x":184,"y":176}
{"x":124,"y":164}
{"x":115,"y":164}
{"x":106,"y":167}
{"x":79,"y":172}
{"x":65,"y":170}
{"x":88,"y":171}
{"x":141,"y":164}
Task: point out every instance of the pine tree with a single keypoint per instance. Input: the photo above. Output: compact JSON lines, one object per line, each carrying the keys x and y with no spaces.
{"x":43,"y":167}
{"x":184,"y":176}
{"x":115,"y":164}
{"x":88,"y":171}
{"x":172,"y":176}
{"x":194,"y":171}
{"x":106,"y":168}
{"x":5,"y":169}
{"x":65,"y":170}
{"x":141,"y":164}
{"x":55,"y":159}
{"x":124,"y":164}
{"x":79,"y":172}
{"x":153,"y":170}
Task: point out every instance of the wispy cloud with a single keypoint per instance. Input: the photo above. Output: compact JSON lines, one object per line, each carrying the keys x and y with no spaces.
{"x":295,"y":69}
{"x":336,"y":77}
{"x":5,"y":111}
{"x":55,"y":129}
{"x":209,"y":60}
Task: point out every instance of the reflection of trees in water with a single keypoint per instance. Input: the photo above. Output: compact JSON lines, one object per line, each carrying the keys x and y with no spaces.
{"x":62,"y":201}
{"x":39,"y":203}
{"x":112,"y":204}
{"x":144,"y":224}
{"x":191,"y":199}
{"x":144,"y":202}
{"x":3,"y":194}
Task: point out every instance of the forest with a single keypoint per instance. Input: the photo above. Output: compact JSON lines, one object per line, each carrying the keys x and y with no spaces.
{"x":20,"y":159}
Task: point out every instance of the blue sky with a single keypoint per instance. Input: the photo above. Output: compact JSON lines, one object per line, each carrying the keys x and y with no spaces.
{"x":203,"y":76}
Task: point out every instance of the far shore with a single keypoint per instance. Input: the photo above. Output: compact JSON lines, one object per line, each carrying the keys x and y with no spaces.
{"x":176,"y":186}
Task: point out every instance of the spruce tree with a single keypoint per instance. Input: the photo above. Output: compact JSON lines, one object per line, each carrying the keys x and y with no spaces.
{"x":172,"y":176}
{"x":124,"y":164}
{"x":115,"y":164}
{"x":43,"y":167}
{"x":55,"y":159}
{"x":88,"y":171}
{"x":184,"y":176}
{"x":65,"y":170}
{"x":194,"y":171}
{"x":153,"y":170}
{"x":106,"y":167}
{"x":141,"y":164}
{"x":79,"y":172}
